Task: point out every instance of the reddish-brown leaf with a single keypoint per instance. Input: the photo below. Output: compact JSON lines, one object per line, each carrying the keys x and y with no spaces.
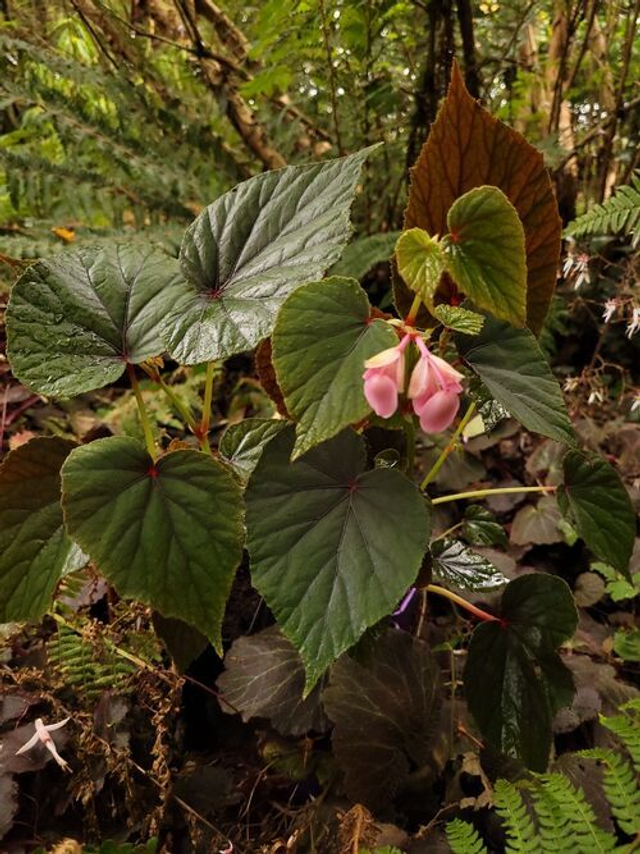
{"x":468,"y":148}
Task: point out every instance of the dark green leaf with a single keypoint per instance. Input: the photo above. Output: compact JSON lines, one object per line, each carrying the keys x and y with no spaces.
{"x":323,"y":539}
{"x":75,"y":321}
{"x":385,"y":711}
{"x":600,"y":507}
{"x":264,"y":678}
{"x":168,"y":533}
{"x":514,"y":678}
{"x":34,"y":548}
{"x":246,"y":252}
{"x":480,"y":527}
{"x":484,"y":253}
{"x":321,"y":340}
{"x":461,"y":567}
{"x":513,"y":368}
{"x":242,"y":444}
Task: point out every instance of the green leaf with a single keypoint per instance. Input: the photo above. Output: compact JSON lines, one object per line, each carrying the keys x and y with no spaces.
{"x":321,"y":340}
{"x":461,"y":567}
{"x":480,"y":527}
{"x":183,"y":643}
{"x":242,"y":444}
{"x":264,"y":678}
{"x":485,"y":254}
{"x":626,"y":644}
{"x":168,"y":533}
{"x":76,"y":320}
{"x":34,"y":548}
{"x":459,"y":319}
{"x":323,"y":539}
{"x":600,"y":507}
{"x":512,"y":366}
{"x":246,"y":252}
{"x":386,"y":710}
{"x":514,"y":678}
{"x":362,"y":255}
{"x":420,"y":263}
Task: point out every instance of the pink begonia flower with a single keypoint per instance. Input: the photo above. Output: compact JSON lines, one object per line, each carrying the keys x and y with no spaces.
{"x":434,"y":389}
{"x":42,"y":737}
{"x":384,"y":379}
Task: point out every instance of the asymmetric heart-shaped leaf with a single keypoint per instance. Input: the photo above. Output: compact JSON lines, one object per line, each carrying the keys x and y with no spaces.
{"x":420,"y":262}
{"x":168,"y":533}
{"x":323,"y":539}
{"x":514,"y":678}
{"x":322,"y":337}
{"x":76,"y":320}
{"x":600,"y":507}
{"x":34,"y":548}
{"x":246,"y":252}
{"x":514,"y":369}
{"x":386,"y":711}
{"x":468,"y":148}
{"x":242,"y":444}
{"x":484,"y":253}
{"x":264,"y":678}
{"x":456,"y":564}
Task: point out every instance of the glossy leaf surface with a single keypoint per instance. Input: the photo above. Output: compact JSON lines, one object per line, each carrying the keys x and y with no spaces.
{"x":76,"y":320}
{"x":246,"y":252}
{"x":458,"y":565}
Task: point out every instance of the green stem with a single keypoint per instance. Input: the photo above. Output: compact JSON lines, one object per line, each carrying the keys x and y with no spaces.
{"x":481,"y":493}
{"x":435,"y":468}
{"x":144,"y":417}
{"x":178,"y":404}
{"x":410,"y":319}
{"x":449,"y":531}
{"x":203,"y":430}
{"x":477,"y":612}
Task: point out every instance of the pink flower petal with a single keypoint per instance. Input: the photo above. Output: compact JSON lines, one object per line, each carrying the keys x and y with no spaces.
{"x":381,"y":393}
{"x":438,"y":412}
{"x":384,"y":358}
{"x":424,"y":381}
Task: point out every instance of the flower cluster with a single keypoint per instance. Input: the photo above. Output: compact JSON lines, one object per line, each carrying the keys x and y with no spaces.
{"x":434,"y":386}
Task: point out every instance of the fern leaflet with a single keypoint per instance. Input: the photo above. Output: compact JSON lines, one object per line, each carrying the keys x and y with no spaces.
{"x":619,"y":214}
{"x":519,"y":826}
{"x":567,"y":822}
{"x":620,"y":787}
{"x":464,"y":838}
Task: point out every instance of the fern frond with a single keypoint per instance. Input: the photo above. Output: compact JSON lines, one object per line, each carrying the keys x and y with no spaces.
{"x":464,"y":838}
{"x":627,"y":728}
{"x":620,"y":787}
{"x":567,"y":823}
{"x":519,"y":826}
{"x":88,"y":668}
{"x":620,"y":214}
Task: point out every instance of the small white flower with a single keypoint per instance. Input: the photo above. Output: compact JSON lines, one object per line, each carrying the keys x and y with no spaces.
{"x":571,"y":384}
{"x":595,"y":396}
{"x":636,"y":403}
{"x":567,"y":266}
{"x":634,"y":323}
{"x":610,"y":308}
{"x":42,"y":737}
